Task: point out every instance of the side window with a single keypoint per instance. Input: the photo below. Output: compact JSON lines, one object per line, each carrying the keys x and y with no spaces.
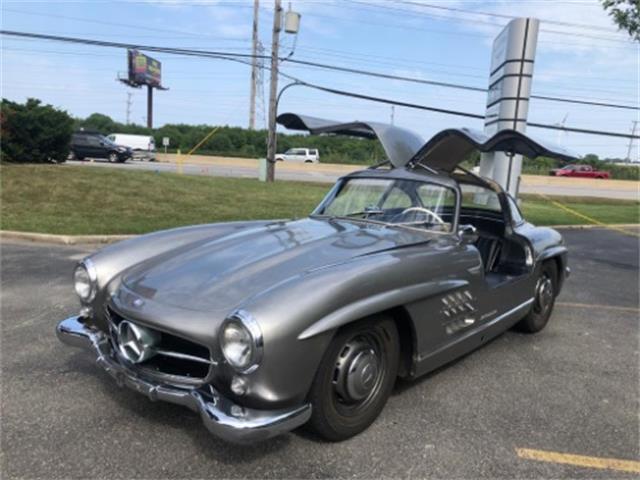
{"x":93,"y":141}
{"x":396,"y":199}
{"x":516,"y":216}
{"x":479,"y":198}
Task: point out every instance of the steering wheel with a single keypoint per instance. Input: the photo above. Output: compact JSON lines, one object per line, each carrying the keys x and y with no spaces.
{"x":434,"y":215}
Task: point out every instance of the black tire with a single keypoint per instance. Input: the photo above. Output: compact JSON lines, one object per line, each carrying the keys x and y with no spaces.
{"x":544,"y":298}
{"x":113,"y":157}
{"x":367,"y":354}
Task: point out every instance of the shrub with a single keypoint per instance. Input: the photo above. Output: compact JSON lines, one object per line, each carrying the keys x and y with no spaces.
{"x":34,"y":133}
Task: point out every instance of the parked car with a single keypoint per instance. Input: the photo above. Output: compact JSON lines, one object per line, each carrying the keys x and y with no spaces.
{"x":263,"y":326}
{"x":306,"y":155}
{"x":94,"y":145}
{"x":586,"y":171}
{"x":143,"y":146}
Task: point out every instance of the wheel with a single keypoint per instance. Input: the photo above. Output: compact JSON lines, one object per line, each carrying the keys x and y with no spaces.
{"x":113,"y":157}
{"x":543,"y":300}
{"x":308,"y":161}
{"x":355,"y":378}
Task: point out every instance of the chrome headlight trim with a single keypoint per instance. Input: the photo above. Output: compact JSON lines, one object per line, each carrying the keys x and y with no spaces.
{"x":251,"y":325}
{"x":90,"y":268}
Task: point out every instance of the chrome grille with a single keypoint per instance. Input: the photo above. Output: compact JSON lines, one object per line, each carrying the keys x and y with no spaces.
{"x":176,"y":360}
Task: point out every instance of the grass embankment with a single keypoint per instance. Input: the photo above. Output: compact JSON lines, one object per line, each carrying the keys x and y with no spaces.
{"x":91,"y":200}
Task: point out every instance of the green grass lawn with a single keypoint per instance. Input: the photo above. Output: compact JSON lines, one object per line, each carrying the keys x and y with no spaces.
{"x":90,"y":200}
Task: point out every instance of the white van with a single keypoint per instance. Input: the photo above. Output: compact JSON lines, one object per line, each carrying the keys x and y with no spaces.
{"x":143,"y":146}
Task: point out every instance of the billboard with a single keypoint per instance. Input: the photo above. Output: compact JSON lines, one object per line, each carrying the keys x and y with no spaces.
{"x":143,"y":70}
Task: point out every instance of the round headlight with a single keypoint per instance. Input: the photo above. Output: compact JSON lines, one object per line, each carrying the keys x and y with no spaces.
{"x":84,"y":281}
{"x":241,"y":342}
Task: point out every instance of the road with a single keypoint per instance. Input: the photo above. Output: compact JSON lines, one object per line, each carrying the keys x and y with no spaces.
{"x":570,"y":389}
{"x":328,"y":173}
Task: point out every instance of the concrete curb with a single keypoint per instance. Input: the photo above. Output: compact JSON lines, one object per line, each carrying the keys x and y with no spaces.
{"x":580,"y":227}
{"x":105,"y":239}
{"x":62,"y":239}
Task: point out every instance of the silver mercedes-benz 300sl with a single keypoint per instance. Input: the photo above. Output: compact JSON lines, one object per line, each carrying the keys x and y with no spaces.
{"x":264,"y":326}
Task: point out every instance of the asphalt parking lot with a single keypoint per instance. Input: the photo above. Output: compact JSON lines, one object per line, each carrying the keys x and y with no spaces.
{"x":572,"y":390}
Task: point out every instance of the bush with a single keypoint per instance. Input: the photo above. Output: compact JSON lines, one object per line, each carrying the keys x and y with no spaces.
{"x":34,"y":133}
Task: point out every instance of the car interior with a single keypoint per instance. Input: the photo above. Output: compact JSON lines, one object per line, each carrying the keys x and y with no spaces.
{"x":503,"y":256}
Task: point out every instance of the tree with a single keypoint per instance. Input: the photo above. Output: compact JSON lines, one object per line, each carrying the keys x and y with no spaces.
{"x":98,"y":122}
{"x":34,"y":133}
{"x":626,"y":14}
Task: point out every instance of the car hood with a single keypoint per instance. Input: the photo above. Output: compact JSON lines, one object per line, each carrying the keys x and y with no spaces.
{"x":222,"y":273}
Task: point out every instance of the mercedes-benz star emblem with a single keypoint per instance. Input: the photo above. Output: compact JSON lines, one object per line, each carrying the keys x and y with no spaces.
{"x":136,"y":343}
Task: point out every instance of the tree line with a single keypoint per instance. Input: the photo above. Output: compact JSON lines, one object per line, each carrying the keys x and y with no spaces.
{"x":241,"y":142}
{"x":33,"y":132}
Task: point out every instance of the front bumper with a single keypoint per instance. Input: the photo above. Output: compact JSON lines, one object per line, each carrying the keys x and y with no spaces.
{"x":223,"y":418}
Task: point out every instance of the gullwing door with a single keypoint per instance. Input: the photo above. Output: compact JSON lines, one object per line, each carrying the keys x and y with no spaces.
{"x":445,"y":150}
{"x":399,"y":144}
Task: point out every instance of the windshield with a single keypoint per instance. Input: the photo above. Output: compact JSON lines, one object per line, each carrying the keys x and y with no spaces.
{"x":395,"y":202}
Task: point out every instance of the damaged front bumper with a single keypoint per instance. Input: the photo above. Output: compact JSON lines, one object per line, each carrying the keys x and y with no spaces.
{"x":223,"y":418}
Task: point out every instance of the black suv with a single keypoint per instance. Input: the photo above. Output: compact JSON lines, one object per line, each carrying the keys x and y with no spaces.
{"x":94,"y":145}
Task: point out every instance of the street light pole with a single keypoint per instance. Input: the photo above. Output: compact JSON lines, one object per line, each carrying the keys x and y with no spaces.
{"x":273,"y":92}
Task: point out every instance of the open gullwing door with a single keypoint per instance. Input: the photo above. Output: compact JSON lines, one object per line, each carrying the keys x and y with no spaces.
{"x":445,"y":150}
{"x":399,"y":144}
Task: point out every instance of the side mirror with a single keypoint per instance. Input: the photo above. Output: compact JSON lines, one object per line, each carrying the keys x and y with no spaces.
{"x":468,"y":234}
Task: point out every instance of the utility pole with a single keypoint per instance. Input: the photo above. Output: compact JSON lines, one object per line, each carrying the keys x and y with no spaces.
{"x":633,"y":132}
{"x":273,"y":92}
{"x":254,"y":67}
{"x":149,"y":106}
{"x":393,"y":114}
{"x":128,"y":107}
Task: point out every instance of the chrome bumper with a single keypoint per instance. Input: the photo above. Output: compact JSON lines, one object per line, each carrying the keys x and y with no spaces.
{"x":220,"y":415}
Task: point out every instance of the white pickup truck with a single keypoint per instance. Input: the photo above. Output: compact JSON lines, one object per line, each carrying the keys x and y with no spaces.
{"x":306,"y":155}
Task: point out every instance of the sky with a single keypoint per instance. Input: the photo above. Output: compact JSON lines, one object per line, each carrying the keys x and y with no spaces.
{"x":592,"y":61}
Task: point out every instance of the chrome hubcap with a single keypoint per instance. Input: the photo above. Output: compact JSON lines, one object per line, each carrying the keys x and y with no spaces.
{"x":357,"y":371}
{"x":544,"y":293}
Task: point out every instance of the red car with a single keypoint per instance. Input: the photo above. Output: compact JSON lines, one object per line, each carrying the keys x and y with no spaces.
{"x":585,"y":171}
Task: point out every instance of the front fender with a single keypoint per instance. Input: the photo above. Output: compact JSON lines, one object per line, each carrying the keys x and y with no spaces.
{"x":299,"y":317}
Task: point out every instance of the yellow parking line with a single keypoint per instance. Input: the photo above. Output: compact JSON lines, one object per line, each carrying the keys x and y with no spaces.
{"x":595,"y":305}
{"x":579,"y":460}
{"x":587,"y":218}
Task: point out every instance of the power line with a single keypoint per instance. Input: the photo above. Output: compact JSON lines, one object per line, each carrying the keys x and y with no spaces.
{"x":246,"y":57}
{"x":469,"y":20}
{"x":452,"y":112}
{"x":509,"y":17}
{"x":243,"y":59}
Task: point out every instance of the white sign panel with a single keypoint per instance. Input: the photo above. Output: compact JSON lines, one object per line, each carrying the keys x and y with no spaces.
{"x":165,"y":141}
{"x":514,"y":51}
